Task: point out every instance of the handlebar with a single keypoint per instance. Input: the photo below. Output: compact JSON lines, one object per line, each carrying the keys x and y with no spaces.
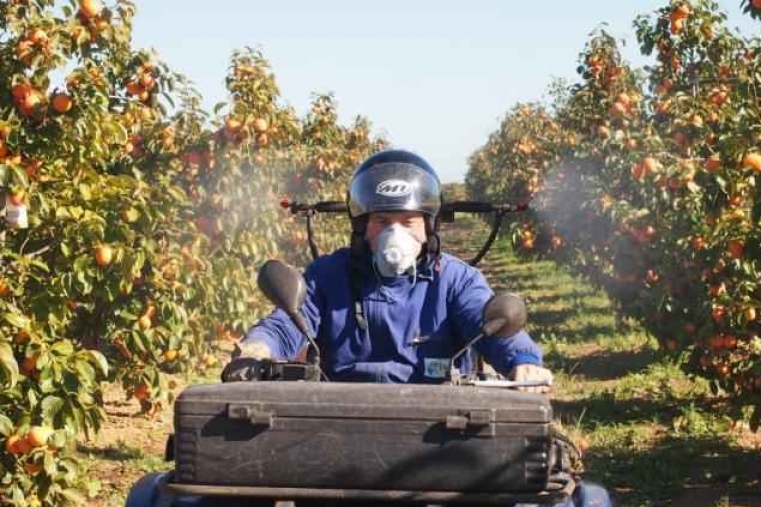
{"x":446,"y":208}
{"x":446,"y":214}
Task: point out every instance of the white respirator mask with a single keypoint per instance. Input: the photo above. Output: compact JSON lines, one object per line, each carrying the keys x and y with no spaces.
{"x":396,"y":251}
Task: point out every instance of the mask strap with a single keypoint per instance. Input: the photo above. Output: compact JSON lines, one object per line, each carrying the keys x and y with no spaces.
{"x":414,"y":275}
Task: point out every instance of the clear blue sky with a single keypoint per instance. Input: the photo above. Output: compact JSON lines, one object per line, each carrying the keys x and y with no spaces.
{"x":434,"y":75}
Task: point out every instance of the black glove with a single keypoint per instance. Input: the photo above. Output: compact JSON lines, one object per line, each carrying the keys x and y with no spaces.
{"x":243,"y":369}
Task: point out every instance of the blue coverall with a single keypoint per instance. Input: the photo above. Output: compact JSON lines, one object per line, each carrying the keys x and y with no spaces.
{"x":415,"y":324}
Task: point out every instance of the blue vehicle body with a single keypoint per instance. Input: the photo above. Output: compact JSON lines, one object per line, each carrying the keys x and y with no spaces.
{"x":148,"y":492}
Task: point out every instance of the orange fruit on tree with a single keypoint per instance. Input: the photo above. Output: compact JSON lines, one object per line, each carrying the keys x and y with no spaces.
{"x":676,"y":27}
{"x":147,"y":81}
{"x":17,"y":198}
{"x":134,"y":88}
{"x":28,"y":365}
{"x":21,"y":336}
{"x":716,"y":341}
{"x":104,"y":254}
{"x":170,"y":355}
{"x":752,"y":160}
{"x":142,"y":392}
{"x":144,"y":322}
{"x":756,"y":4}
{"x":20,"y":90}
{"x":718,"y":290}
{"x":651,"y":164}
{"x":718,"y":96}
{"x":38,"y":435}
{"x":32,"y":167}
{"x":624,"y":99}
{"x":15,"y":444}
{"x":5,"y":289}
{"x":62,"y":103}
{"x":29,"y":102}
{"x":718,"y":313}
{"x":233,"y":126}
{"x":681,"y":12}
{"x":261,"y":125}
{"x":750,"y":314}
{"x":38,"y":36}
{"x":618,"y":109}
{"x":735,"y":248}
{"x":89,"y":8}
{"x":32,"y":468}
{"x":713,"y":163}
{"x":638,"y":172}
{"x":735,"y":200}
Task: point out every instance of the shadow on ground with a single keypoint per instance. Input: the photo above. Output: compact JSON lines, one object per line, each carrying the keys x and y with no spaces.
{"x":672,"y":471}
{"x":111,"y":453}
{"x":604,"y":364}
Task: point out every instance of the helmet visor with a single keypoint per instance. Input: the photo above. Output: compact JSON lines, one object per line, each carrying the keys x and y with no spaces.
{"x":394,"y":186}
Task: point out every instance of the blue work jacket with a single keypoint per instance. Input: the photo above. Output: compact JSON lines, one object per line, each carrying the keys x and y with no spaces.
{"x":415,"y":324}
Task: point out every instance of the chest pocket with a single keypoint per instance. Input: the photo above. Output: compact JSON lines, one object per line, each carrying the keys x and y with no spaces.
{"x":434,"y":351}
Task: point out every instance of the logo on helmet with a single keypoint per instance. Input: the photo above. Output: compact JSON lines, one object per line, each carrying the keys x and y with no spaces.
{"x":393,"y":188}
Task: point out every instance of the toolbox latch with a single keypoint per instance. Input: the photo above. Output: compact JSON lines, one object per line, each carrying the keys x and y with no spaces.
{"x":472,"y":419}
{"x":250,"y":413}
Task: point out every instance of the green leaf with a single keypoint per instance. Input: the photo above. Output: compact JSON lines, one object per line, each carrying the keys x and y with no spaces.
{"x":100,"y":361}
{"x":17,"y":320}
{"x":131,"y":214}
{"x":219,"y":106}
{"x":177,"y":194}
{"x":50,"y":407}
{"x":19,"y":175}
{"x":63,"y":348}
{"x":76,"y":212}
{"x":6,"y":425}
{"x":9,"y":364}
{"x":85,"y":371}
{"x":85,"y":192}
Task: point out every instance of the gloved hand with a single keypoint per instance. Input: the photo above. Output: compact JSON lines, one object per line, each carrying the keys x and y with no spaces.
{"x":531,"y":372}
{"x":243,"y":369}
{"x":248,"y":362}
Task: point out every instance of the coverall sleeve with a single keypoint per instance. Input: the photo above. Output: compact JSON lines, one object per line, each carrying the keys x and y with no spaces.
{"x":277,"y":330}
{"x":504,"y":352}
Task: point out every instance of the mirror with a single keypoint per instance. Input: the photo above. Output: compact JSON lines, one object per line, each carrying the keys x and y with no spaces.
{"x":504,"y":315}
{"x":286,"y":288}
